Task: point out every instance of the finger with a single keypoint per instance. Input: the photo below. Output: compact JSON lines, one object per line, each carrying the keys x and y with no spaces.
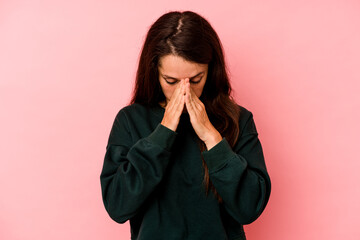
{"x":192,"y":98}
{"x":193,"y":95}
{"x":176,"y":94}
{"x":196,"y":101}
{"x":187,"y":98}
{"x":182,"y":90}
{"x":179,"y":100}
{"x":176,"y":91}
{"x":190,"y":103}
{"x":182,"y":87}
{"x":180,"y":97}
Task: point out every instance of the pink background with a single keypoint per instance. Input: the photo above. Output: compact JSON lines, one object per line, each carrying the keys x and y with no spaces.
{"x":67,"y":67}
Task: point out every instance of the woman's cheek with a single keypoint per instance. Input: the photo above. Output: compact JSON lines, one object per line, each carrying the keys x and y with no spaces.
{"x":197,"y":91}
{"x":169,"y":91}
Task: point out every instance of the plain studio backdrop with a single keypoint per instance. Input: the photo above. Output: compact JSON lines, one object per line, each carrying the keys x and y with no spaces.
{"x":67,"y":67}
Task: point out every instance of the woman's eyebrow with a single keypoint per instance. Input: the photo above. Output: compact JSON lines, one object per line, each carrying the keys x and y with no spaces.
{"x":166,"y":76}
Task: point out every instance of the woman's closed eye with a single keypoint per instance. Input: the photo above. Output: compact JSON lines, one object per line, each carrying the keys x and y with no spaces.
{"x":172,"y":81}
{"x":196,"y":80}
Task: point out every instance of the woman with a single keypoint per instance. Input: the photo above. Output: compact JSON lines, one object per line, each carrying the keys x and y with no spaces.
{"x":183,"y":160}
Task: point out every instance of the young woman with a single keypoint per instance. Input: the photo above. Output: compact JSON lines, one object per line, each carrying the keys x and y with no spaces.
{"x":183,"y":160}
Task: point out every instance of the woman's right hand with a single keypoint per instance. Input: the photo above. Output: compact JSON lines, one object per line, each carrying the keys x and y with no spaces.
{"x":174,"y":107}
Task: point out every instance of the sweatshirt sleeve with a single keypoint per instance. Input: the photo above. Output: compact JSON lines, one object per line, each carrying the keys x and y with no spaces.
{"x":131,"y":171}
{"x":239,"y":174}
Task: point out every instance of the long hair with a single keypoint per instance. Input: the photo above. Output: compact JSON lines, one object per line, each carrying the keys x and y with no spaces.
{"x":190,"y":36}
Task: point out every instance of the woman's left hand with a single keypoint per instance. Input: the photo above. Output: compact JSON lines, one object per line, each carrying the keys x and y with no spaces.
{"x":199,"y":118}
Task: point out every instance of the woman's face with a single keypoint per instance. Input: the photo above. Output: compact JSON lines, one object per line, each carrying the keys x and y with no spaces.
{"x":173,"y":68}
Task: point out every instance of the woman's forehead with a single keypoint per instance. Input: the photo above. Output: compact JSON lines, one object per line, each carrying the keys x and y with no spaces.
{"x":177,"y":67}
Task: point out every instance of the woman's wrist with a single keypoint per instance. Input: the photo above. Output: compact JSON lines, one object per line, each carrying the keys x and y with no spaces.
{"x":170,"y":126}
{"x":213,"y":139}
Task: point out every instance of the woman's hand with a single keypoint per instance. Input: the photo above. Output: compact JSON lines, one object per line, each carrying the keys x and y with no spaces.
{"x":174,"y":107}
{"x":199,"y":118}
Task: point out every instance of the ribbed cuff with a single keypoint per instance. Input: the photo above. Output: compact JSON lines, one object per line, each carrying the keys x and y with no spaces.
{"x":217,"y":156}
{"x":163,"y":136}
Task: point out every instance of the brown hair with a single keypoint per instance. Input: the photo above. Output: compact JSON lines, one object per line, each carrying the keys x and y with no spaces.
{"x":190,"y":36}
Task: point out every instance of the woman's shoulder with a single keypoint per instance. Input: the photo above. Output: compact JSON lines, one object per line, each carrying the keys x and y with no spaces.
{"x":136,"y":110}
{"x":130,"y":109}
{"x":134,"y":107}
{"x":246,"y":121}
{"x":245,"y":113}
{"x":246,"y":117}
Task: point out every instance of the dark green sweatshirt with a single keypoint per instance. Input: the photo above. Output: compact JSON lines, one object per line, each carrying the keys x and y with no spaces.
{"x":153,"y":177}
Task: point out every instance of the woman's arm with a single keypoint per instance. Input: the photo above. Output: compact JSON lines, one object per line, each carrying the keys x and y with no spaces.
{"x":131,"y":171}
{"x":239,"y":175}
